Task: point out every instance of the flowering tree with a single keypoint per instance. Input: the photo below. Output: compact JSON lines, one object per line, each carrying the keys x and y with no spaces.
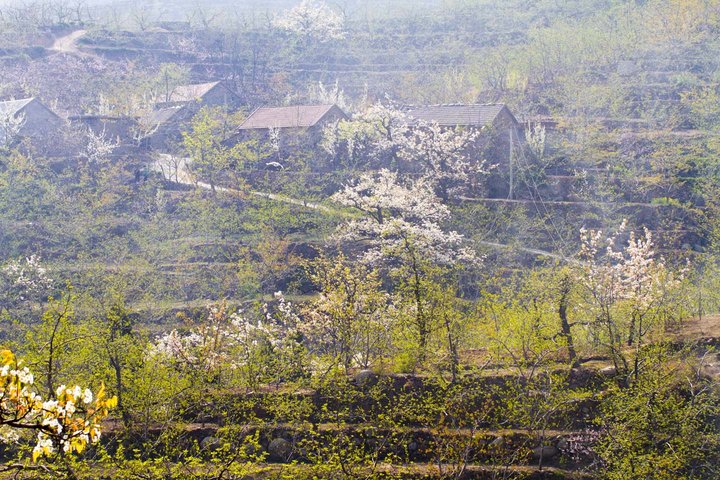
{"x":312,"y":19}
{"x":26,"y":278}
{"x":444,"y":155}
{"x":401,"y":225}
{"x":98,"y":147}
{"x":399,"y":218}
{"x":65,"y":424}
{"x":348,"y":321}
{"x":629,"y":290}
{"x":372,"y":133}
{"x":23,"y":280}
{"x":228,"y":343}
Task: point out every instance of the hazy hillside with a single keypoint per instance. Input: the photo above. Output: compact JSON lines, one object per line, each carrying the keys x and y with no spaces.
{"x":457,"y":239}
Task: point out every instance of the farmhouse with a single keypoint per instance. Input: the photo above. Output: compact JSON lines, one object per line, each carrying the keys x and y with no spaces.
{"x":494,"y":115}
{"x":161,"y":129}
{"x":27,"y":119}
{"x":501,"y":147}
{"x":293,"y":127}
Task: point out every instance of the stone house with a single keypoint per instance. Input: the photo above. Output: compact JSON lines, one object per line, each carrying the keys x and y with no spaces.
{"x":289,"y":128}
{"x":503,"y":146}
{"x":162,"y":128}
{"x":28,"y":120}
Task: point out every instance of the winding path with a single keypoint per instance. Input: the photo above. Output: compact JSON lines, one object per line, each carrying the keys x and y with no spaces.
{"x":68,"y":43}
{"x":176,"y":170}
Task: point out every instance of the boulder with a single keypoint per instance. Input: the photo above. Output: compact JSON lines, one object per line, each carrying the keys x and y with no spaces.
{"x":365,"y":378}
{"x":280,"y":450}
{"x":210,"y":443}
{"x":545,"y":452}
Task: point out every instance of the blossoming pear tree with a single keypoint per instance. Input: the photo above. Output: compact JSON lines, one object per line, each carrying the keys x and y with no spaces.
{"x":629,"y":290}
{"x":399,"y":218}
{"x":312,"y":19}
{"x":67,"y":423}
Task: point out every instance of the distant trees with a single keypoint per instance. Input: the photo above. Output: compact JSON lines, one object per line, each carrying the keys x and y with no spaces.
{"x":312,"y":20}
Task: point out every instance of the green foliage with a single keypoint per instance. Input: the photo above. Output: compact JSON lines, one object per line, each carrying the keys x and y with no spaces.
{"x":661,"y":426}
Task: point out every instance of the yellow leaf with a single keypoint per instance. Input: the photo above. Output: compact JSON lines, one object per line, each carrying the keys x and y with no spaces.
{"x":101,"y":392}
{"x":6,"y":357}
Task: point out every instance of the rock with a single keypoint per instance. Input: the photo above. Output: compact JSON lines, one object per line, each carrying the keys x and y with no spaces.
{"x":274,"y":166}
{"x":280,"y":450}
{"x":365,"y":378}
{"x":545,"y":452}
{"x":562,"y":444}
{"x":608,"y":371}
{"x":210,"y":443}
{"x":498,"y":442}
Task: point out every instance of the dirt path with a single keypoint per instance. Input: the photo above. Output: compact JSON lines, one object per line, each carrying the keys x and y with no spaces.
{"x":177,"y":170}
{"x":68,"y":43}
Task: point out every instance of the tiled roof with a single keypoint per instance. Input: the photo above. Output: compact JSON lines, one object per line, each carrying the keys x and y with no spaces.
{"x":298,"y":116}
{"x":12,"y":107}
{"x":453,"y":115}
{"x":188,"y":93}
{"x":162,"y":115}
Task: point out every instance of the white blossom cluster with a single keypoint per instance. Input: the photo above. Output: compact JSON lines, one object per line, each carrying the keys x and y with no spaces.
{"x":370,"y":133}
{"x":629,"y":273}
{"x":446,"y":155}
{"x":312,"y":19}
{"x":226,"y":340}
{"x":98,"y":146}
{"x":398,"y":216}
{"x":27,"y":277}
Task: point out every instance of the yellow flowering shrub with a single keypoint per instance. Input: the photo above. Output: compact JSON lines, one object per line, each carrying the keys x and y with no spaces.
{"x":68,"y":423}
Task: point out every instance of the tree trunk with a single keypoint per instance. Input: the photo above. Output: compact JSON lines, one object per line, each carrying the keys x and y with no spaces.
{"x":564,"y":324}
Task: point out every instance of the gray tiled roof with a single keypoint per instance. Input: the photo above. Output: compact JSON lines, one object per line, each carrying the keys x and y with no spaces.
{"x":298,"y":116}
{"x":454,"y":115}
{"x":162,"y":115}
{"x":12,"y":107}
{"x":188,"y":93}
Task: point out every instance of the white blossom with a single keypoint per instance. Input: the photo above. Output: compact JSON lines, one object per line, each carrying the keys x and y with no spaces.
{"x":312,"y":19}
{"x":399,"y":215}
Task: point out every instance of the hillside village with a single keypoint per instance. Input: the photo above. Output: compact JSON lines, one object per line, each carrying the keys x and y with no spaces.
{"x":287,"y":129}
{"x":378,"y":239}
